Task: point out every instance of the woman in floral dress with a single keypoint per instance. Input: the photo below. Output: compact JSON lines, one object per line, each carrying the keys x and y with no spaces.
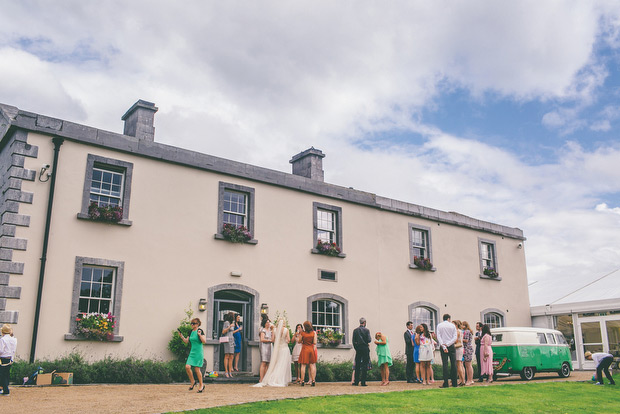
{"x":468,"y":354}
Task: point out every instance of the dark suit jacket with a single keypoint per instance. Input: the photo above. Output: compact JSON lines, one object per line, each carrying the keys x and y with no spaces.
{"x":408,"y":342}
{"x":361,"y":338}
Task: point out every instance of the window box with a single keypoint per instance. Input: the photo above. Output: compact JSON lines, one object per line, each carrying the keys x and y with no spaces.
{"x":236,"y":234}
{"x":490,"y":272}
{"x":328,"y":249}
{"x":107,"y":214}
{"x":329,"y":337}
{"x":95,"y":326}
{"x":422,"y":263}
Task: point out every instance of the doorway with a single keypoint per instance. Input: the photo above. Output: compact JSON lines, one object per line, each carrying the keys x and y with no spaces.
{"x":599,"y":333}
{"x":237,"y":302}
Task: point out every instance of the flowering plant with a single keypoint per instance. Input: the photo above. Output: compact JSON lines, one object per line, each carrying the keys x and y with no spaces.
{"x":236,"y":234}
{"x":490,"y":272}
{"x":109,"y":213}
{"x":97,"y":326}
{"x":329,"y":337}
{"x":422,"y":263}
{"x":329,"y":249}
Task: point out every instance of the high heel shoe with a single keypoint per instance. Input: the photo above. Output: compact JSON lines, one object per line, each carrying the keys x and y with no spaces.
{"x":303,"y":383}
{"x":313,"y":384}
{"x":201,"y":389}
{"x":192,"y":386}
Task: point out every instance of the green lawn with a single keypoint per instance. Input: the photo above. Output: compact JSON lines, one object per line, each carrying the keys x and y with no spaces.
{"x":556,"y":397}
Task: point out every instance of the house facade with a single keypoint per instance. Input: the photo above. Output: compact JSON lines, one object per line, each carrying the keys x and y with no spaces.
{"x":164,"y":248}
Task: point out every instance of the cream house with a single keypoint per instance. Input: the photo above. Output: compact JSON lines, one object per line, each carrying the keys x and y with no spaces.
{"x":166,"y":249}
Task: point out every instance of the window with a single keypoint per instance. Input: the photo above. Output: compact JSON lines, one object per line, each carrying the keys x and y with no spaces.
{"x":107,"y":183}
{"x":329,"y":311}
{"x":541,"y":338}
{"x":488,"y":259}
{"x":97,"y":287}
{"x":329,"y":275}
{"x":420,"y":246}
{"x":424,"y":312}
{"x":550,"y":338}
{"x":493,"y":317}
{"x":327,"y":223}
{"x":236,"y":207}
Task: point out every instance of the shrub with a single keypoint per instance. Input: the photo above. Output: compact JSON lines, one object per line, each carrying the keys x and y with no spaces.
{"x":176,"y":345}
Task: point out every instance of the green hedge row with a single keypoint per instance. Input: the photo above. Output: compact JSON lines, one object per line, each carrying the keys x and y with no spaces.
{"x":137,"y":371}
{"x":106,"y":371}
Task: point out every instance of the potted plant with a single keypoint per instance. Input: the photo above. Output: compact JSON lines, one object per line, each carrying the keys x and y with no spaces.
{"x":236,"y":234}
{"x":329,"y":337}
{"x":328,"y":249}
{"x":95,"y":326}
{"x":490,"y":272}
{"x":108,"y":214}
{"x":422,"y":263}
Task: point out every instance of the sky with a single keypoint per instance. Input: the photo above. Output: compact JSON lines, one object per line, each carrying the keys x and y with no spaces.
{"x":508,"y":112}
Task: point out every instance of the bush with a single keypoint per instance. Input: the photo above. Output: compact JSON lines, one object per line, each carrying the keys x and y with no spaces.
{"x":106,"y":371}
{"x":176,"y":345}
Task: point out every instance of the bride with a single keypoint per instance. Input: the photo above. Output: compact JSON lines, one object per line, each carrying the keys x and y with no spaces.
{"x":279,"y":372}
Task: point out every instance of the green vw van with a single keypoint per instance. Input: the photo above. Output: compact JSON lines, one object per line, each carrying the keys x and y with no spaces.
{"x":526,"y":351}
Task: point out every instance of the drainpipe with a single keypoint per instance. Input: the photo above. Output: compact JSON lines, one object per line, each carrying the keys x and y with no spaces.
{"x":48,"y":220}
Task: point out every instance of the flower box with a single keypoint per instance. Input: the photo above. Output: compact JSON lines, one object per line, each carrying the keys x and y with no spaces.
{"x":107,"y":214}
{"x":236,"y":234}
{"x":490,"y":272}
{"x":422,"y":263}
{"x":95,"y":326}
{"x":328,"y":249}
{"x":329,"y":337}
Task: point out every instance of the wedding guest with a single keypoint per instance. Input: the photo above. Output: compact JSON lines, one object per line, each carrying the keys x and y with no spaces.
{"x":308,"y":354}
{"x":238,"y":335}
{"x":361,"y":339}
{"x":384,"y":356}
{"x":229,"y":346}
{"x":435,"y":347}
{"x":265,"y":339}
{"x":446,"y":336}
{"x":603,"y":361}
{"x":458,"y":347}
{"x":296,"y":351}
{"x":8,"y":346}
{"x":477,"y":340}
{"x":468,"y":353}
{"x":408,"y":336}
{"x":427,"y":349}
{"x":486,"y":352}
{"x":416,"y":353}
{"x":196,"y":339}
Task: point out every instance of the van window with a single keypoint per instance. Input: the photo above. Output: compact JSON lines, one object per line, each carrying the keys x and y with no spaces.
{"x":541,"y":338}
{"x":550,"y":338}
{"x":498,"y":337}
{"x":561,"y":339}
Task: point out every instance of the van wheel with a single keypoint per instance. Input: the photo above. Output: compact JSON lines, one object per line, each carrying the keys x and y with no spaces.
{"x":527,"y":373}
{"x":564,"y":372}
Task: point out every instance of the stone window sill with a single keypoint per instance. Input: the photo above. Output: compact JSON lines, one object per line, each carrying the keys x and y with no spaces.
{"x":340,"y":255}
{"x":341,"y":346}
{"x":123,"y":222}
{"x":71,"y":337}
{"x":218,"y":236}
{"x":483,"y":276}
{"x":412,"y":266}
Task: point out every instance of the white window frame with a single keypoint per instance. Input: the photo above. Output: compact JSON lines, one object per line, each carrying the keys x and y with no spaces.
{"x":496,"y":314}
{"x":250,"y":200}
{"x":488,"y":260}
{"x":100,"y":298}
{"x":244,"y":215}
{"x":431,"y":308}
{"x":337,"y":226}
{"x":344,"y":314}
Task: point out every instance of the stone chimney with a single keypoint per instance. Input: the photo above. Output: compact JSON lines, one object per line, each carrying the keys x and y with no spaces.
{"x":139,"y":120}
{"x":309,"y":163}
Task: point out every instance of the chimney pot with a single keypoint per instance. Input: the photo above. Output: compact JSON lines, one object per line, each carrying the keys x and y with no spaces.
{"x":139,"y":120}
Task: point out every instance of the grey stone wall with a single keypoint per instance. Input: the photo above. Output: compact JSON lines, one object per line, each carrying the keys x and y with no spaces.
{"x":13,"y":153}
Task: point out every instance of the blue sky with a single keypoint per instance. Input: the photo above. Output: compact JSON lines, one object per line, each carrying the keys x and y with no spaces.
{"x":504,"y":111}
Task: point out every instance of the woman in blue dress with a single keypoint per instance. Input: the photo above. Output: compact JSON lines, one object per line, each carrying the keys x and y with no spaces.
{"x":196,"y":339}
{"x":416,"y":353}
{"x":238,"y":337}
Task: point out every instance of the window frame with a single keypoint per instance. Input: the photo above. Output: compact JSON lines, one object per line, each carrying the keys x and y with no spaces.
{"x":126,"y":168}
{"x":80,"y":263}
{"x":344,"y":316}
{"x":429,"y":250}
{"x":337,"y":211}
{"x":250,"y":194}
{"x":320,"y":274}
{"x":428,"y":306}
{"x":493,"y":244}
{"x":500,"y":314}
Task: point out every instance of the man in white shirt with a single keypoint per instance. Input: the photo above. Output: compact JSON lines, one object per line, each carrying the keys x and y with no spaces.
{"x":8,"y":346}
{"x":603,"y":361}
{"x":446,"y":336}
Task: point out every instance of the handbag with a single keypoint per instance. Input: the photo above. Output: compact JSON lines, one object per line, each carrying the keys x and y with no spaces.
{"x":224,"y":339}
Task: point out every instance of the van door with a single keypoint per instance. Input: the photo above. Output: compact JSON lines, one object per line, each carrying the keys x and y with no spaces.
{"x":545,"y":352}
{"x":554,"y":354}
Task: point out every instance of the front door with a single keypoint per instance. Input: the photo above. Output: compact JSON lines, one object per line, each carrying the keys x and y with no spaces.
{"x":240,"y":303}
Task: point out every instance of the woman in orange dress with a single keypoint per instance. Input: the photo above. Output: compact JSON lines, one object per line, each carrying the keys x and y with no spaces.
{"x":307,"y":356}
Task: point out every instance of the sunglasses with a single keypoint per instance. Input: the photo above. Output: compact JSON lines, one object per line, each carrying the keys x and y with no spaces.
{"x":194,"y":323}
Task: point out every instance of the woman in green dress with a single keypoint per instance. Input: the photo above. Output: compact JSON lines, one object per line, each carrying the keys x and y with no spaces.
{"x":196,"y":339}
{"x":385,"y":357}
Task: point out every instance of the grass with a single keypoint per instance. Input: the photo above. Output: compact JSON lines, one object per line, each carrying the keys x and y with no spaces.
{"x":555,"y":397}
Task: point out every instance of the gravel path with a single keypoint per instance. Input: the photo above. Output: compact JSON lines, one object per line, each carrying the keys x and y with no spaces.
{"x":176,"y":397}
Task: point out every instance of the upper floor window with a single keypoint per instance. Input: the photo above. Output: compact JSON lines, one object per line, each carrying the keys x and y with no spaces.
{"x":420,"y":256}
{"x":327,"y":224}
{"x":107,"y":184}
{"x":488,"y":259}
{"x":236,"y":210}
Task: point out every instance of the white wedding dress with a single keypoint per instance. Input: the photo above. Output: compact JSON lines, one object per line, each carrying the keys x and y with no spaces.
{"x":279,"y":372}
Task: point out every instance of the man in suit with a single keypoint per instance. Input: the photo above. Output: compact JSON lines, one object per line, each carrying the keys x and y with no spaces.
{"x":477,"y":339}
{"x":446,"y":336}
{"x":409,"y":352}
{"x":361,"y":339}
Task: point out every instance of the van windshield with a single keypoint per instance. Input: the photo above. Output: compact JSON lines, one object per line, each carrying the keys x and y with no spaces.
{"x":561,"y":339}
